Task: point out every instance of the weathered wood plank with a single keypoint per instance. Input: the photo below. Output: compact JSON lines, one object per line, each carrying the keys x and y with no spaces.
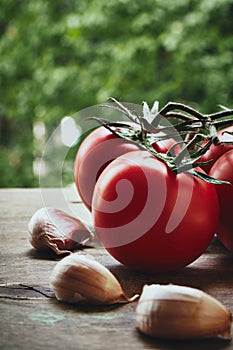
{"x":31,"y":320}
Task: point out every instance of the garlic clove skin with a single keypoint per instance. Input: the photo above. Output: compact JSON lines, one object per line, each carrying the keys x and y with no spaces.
{"x":77,"y":278}
{"x":52,"y":228}
{"x":180,"y":312}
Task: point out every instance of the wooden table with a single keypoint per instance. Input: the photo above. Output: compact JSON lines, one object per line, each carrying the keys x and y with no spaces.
{"x":33,"y":319}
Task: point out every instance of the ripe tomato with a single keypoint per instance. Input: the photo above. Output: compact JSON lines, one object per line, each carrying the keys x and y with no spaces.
{"x":150,"y":218}
{"x":97,"y":150}
{"x":223,"y":170}
{"x":215,"y":152}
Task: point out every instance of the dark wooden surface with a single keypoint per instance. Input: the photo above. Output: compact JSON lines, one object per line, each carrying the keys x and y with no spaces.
{"x":33,"y":319}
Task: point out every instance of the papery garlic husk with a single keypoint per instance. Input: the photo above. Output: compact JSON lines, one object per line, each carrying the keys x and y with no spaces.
{"x":77,"y":278}
{"x":180,"y":312}
{"x":52,"y":228}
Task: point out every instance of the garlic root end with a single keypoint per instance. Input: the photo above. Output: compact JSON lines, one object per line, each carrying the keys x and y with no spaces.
{"x":123,"y":299}
{"x":48,"y":242}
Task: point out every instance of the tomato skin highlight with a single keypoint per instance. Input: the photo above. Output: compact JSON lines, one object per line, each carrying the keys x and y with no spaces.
{"x":216,"y":152}
{"x":223,"y":170}
{"x":97,"y":150}
{"x":151,"y":219}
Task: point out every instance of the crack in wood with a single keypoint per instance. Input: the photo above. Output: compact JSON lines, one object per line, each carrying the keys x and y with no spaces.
{"x":21,"y":291}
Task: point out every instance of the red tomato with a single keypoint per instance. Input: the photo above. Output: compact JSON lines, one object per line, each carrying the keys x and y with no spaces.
{"x":216,"y":151}
{"x":223,"y":170}
{"x":150,"y":218}
{"x":97,"y":150}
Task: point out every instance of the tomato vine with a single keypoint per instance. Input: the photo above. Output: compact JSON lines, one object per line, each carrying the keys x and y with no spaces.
{"x":198,"y":132}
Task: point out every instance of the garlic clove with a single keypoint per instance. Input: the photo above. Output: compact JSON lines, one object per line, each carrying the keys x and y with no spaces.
{"x":76,"y":278}
{"x":180,"y":312}
{"x":52,"y":228}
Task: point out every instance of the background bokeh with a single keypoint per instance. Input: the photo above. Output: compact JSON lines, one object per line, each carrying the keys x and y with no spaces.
{"x":59,"y":57}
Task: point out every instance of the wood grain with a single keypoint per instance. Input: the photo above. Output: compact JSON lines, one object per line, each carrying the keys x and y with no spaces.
{"x":31,"y":317}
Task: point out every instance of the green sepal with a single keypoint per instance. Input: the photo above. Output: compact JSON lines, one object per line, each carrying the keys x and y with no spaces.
{"x":208,"y":178}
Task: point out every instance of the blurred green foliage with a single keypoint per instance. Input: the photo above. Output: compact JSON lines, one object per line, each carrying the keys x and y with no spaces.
{"x":58,"y":57}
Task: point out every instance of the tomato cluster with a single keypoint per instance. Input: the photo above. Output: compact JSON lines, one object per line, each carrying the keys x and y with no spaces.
{"x":153,"y":207}
{"x":146,"y":216}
